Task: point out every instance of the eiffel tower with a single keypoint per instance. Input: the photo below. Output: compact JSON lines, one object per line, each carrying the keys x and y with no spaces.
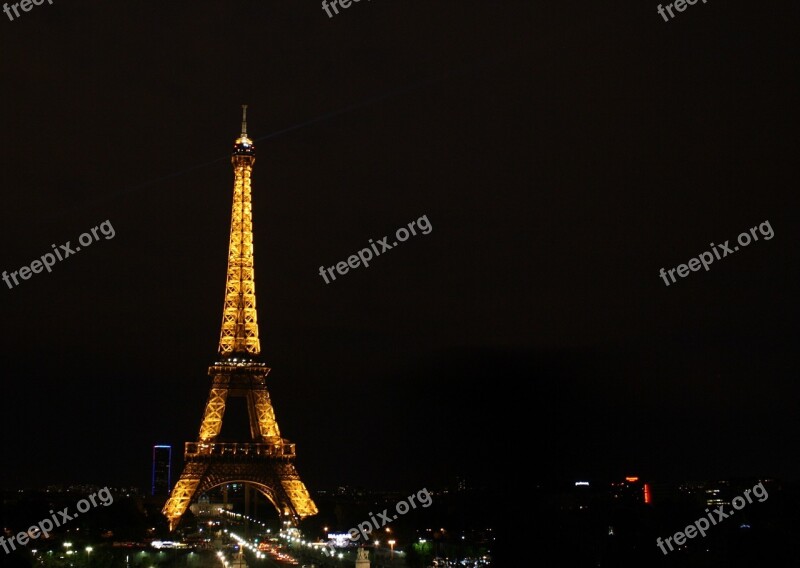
{"x":266,"y":462}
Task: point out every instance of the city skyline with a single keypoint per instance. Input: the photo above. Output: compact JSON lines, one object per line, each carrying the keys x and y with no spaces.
{"x":561,"y":175}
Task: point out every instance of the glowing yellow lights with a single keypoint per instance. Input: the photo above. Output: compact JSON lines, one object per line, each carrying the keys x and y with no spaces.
{"x":631,"y":479}
{"x":239,"y":320}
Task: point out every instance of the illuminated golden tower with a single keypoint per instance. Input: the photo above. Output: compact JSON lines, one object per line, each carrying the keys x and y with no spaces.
{"x":266,"y":462}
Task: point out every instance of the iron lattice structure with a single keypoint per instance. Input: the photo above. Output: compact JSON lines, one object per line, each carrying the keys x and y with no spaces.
{"x":267,"y":460}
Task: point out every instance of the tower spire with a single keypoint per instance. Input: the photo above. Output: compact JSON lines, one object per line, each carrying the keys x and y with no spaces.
{"x":239,"y":335}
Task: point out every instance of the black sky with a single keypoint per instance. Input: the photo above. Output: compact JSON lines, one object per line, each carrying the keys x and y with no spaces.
{"x":563,"y":156}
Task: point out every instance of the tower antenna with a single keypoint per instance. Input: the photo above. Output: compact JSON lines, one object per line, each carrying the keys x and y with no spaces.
{"x":244,"y":121}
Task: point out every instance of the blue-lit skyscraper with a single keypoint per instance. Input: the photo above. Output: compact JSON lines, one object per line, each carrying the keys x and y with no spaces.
{"x":162,"y":465}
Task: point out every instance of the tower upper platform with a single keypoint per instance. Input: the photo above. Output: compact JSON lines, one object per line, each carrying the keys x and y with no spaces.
{"x":243,"y":145}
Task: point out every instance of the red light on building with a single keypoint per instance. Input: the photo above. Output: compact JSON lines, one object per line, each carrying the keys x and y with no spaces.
{"x":646,"y":494}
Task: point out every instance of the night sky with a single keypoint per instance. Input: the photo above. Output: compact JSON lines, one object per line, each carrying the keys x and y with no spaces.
{"x":562,"y":154}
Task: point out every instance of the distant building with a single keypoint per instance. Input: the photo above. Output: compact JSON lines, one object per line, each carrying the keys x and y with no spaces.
{"x":205,"y":508}
{"x":632,"y":490}
{"x":162,"y":466}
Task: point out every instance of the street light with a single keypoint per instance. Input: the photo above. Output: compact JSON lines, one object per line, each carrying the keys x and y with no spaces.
{"x":391,"y":545}
{"x":89,"y":555}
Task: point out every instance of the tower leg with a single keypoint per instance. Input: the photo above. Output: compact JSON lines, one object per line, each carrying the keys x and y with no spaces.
{"x":299,"y":498}
{"x":262,"y":416}
{"x":182,"y":493}
{"x":212,"y":417}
